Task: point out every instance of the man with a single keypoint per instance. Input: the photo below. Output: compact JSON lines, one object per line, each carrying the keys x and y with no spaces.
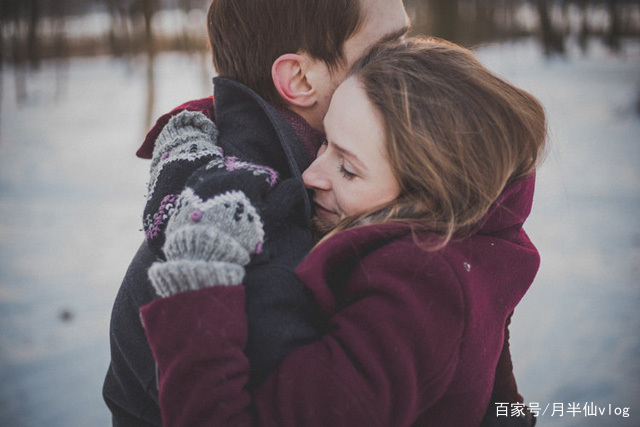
{"x":279,"y":62}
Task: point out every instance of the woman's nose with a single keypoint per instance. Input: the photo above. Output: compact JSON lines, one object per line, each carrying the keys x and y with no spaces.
{"x":314,"y":178}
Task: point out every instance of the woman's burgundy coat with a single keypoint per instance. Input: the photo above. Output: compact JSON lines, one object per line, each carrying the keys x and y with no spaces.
{"x":413,"y":336}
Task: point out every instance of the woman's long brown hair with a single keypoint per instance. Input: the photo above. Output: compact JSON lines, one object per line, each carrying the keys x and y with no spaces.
{"x":456,"y":134}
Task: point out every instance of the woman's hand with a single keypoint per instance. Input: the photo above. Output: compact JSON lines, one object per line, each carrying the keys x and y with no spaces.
{"x":208,"y":243}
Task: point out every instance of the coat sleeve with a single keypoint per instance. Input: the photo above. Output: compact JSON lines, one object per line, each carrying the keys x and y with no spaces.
{"x":130,"y":390}
{"x":389,"y":354}
{"x":197,"y":339}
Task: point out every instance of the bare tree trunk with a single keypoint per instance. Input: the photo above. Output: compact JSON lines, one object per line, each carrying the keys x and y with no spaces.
{"x":33,"y":45}
{"x":613,"y":36}
{"x":61,"y":54}
{"x":485,"y":19}
{"x":151,"y":94}
{"x":445,"y":18}
{"x":552,"y":40}
{"x":583,"y":35}
{"x":511,"y":9}
{"x":3,"y":20}
{"x":114,"y":39}
{"x":186,"y":43}
{"x":18,"y":59}
{"x":148,"y":10}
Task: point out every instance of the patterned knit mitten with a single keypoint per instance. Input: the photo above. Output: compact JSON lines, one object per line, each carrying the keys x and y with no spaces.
{"x":186,"y":134}
{"x":208,"y":243}
{"x":186,"y":143}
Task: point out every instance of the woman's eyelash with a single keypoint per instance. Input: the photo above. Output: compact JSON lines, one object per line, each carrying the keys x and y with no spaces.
{"x":345,"y":173}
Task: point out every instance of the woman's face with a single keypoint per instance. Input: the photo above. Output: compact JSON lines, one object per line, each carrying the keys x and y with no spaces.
{"x":351,"y":174}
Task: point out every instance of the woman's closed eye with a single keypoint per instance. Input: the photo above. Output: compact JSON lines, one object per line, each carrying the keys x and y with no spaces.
{"x":346,"y":173}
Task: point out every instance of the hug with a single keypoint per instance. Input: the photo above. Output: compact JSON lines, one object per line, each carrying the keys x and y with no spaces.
{"x":335,"y":238}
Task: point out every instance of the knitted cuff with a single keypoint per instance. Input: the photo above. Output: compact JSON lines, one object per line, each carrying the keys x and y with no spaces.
{"x":171,"y":277}
{"x":186,"y":143}
{"x":183,"y":130}
{"x":204,"y":244}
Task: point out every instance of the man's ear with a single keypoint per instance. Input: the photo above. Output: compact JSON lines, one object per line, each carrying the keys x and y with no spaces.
{"x":289,"y":74}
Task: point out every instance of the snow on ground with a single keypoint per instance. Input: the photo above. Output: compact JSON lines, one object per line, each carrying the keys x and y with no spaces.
{"x":72,"y":191}
{"x":575,"y":338}
{"x":71,"y":197}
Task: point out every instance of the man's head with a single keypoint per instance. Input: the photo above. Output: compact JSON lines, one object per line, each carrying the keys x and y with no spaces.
{"x":294,"y":53}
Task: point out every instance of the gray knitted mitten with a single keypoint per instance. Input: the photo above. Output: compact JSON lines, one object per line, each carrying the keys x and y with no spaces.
{"x":186,"y":143}
{"x":208,"y":243}
{"x":187,"y":135}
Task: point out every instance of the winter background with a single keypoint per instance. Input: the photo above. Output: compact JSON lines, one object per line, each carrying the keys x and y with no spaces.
{"x":72,"y":193}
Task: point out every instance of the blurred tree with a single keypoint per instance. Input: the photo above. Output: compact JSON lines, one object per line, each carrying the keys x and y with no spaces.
{"x":2,"y":50}
{"x":126,"y":14}
{"x":193,"y":39}
{"x":612,"y":37}
{"x":33,"y":45}
{"x":149,"y":8}
{"x":118,"y":31}
{"x":445,"y":19}
{"x":485,"y":15}
{"x":13,"y":18}
{"x":32,"y":30}
{"x":584,"y":31}
{"x":552,"y":39}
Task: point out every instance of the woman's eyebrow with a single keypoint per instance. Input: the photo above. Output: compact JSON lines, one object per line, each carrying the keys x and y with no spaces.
{"x":352,"y":156}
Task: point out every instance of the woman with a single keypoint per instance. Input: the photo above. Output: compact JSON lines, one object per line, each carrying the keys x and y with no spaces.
{"x":426,"y":179}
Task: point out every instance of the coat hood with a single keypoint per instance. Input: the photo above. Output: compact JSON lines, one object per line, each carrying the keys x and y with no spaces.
{"x":499,"y":242}
{"x":506,"y":215}
{"x":511,"y":209}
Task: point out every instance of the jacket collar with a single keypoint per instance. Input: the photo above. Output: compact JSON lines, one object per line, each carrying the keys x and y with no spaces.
{"x":256,"y":130}
{"x":505,"y":218}
{"x":511,"y":209}
{"x":311,"y":139}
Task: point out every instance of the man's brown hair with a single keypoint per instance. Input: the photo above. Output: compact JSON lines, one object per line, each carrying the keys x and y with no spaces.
{"x":247,"y":36}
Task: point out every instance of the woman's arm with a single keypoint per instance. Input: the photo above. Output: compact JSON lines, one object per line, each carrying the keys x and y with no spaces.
{"x":389,"y":354}
{"x":197,"y":339}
